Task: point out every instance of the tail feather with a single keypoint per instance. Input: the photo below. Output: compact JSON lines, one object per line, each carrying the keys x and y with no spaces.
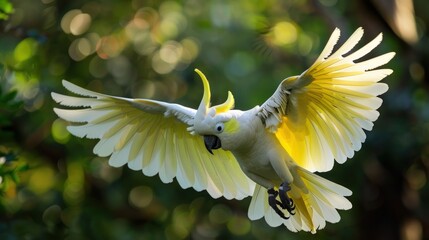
{"x":314,"y":207}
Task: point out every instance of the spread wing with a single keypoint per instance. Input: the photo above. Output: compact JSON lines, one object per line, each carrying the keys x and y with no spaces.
{"x":152,"y":136}
{"x":320,"y":115}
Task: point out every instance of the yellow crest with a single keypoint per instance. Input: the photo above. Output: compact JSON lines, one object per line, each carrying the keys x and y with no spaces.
{"x":205,"y":102}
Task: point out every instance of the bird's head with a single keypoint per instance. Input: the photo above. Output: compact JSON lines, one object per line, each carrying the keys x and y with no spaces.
{"x":214,"y":123}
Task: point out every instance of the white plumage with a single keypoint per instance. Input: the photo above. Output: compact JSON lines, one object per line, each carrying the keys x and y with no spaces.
{"x":311,"y":121}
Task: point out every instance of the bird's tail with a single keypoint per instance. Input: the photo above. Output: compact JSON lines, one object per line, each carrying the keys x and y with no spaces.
{"x":316,"y":202}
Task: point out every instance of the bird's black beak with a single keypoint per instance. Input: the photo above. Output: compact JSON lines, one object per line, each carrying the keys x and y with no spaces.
{"x":212,"y":142}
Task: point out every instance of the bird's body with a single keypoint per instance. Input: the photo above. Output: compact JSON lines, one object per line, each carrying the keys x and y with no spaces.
{"x":270,"y":152}
{"x":258,"y":152}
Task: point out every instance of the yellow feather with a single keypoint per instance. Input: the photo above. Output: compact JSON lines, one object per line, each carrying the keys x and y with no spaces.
{"x":170,"y":163}
{"x":185,"y":163}
{"x":227,"y":105}
{"x":331,"y":103}
{"x":232,"y":126}
{"x":199,"y":168}
{"x":149,"y":146}
{"x":129,"y":132}
{"x":205,"y":102}
{"x":158,"y":156}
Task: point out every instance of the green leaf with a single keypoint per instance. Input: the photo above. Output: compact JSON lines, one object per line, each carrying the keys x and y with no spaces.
{"x":22,"y":168}
{"x":9,"y":96}
{"x":6,"y":8}
{"x":15,"y":176}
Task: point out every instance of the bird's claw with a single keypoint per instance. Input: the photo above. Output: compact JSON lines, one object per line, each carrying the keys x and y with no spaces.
{"x":285,"y":202}
{"x":274,"y":203}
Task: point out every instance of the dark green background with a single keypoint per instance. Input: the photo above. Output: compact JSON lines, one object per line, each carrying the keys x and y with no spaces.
{"x":53,"y":187}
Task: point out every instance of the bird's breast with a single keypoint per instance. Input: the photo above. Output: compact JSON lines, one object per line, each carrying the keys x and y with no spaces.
{"x":255,"y":157}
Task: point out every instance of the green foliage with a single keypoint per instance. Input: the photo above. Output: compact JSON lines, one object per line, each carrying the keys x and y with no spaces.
{"x":6,"y":8}
{"x":8,"y":108}
{"x":148,"y":49}
{"x":10,"y":170}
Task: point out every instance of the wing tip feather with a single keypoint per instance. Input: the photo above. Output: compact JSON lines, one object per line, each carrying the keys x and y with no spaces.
{"x":55,"y":96}
{"x":58,"y":111}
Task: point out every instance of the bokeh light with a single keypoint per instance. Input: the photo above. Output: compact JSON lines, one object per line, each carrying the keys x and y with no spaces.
{"x":141,"y":196}
{"x":284,"y":33}
{"x":73,"y":187}
{"x":25,"y":50}
{"x":68,"y":18}
{"x":42,"y":180}
{"x":59,"y":131}
{"x":80,"y":23}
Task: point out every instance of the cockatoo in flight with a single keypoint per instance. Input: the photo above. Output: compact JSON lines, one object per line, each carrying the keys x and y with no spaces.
{"x":269,"y":152}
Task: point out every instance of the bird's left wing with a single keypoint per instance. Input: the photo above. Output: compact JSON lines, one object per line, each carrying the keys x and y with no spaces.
{"x":320,"y":115}
{"x":152,"y":136}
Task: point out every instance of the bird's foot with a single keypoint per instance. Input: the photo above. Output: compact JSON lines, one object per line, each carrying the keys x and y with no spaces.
{"x":285,"y":202}
{"x":274,"y":203}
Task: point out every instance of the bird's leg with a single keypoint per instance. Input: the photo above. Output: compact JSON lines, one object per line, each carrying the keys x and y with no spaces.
{"x":286,"y":201}
{"x":274,"y":203}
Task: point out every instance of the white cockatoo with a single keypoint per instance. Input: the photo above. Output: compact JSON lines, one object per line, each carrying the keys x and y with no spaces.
{"x":269,"y":152}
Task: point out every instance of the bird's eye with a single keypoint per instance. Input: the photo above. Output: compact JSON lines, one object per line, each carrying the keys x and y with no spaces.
{"x":219,"y":127}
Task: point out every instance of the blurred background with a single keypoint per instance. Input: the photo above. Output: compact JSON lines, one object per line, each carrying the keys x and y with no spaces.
{"x":53,"y":187}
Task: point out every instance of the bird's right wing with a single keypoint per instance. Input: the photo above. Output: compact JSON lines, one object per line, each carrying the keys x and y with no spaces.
{"x":320,"y":115}
{"x":152,"y":136}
